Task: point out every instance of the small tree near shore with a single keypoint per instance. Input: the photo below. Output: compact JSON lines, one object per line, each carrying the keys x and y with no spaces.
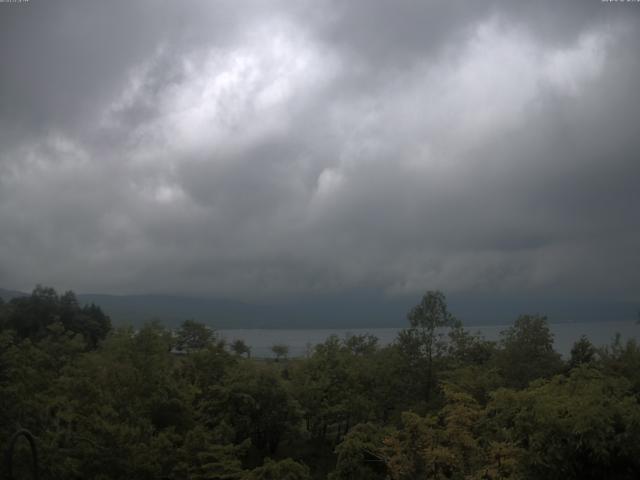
{"x":239,"y":347}
{"x":280,"y":351}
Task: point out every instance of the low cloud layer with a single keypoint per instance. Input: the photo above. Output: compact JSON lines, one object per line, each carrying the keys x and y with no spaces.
{"x":251,"y":150}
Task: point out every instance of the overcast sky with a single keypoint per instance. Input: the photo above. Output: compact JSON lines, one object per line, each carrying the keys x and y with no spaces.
{"x":256,"y":149}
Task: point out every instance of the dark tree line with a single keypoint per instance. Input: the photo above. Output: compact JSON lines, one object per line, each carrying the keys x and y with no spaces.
{"x":439,"y":403}
{"x":34,"y":316}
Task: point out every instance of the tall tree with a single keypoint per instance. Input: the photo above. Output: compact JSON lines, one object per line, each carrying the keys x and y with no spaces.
{"x":583,"y":351}
{"x":424,"y":340}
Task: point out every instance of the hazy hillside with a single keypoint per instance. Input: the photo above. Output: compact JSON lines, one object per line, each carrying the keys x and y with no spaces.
{"x":7,"y":295}
{"x":360,"y":309}
{"x":172,"y":310}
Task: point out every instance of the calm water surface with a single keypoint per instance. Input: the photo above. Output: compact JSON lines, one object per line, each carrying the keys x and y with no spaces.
{"x":300,"y":342}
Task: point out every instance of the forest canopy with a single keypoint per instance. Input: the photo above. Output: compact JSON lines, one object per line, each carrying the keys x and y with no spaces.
{"x":117,"y":403}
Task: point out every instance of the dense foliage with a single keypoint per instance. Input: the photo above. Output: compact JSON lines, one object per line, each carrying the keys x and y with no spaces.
{"x":439,"y":403}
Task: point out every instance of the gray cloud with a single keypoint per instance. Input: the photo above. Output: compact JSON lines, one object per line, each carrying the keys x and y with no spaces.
{"x":235,"y":149}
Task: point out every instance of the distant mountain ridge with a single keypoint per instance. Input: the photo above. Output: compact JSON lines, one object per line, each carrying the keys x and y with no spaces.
{"x":360,"y":309}
{"x":173,"y":309}
{"x":7,"y":295}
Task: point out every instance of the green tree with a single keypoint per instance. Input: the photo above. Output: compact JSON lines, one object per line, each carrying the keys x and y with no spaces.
{"x":287,"y":469}
{"x":583,"y":351}
{"x":193,"y":336}
{"x":360,"y":455}
{"x":280,"y":351}
{"x":257,"y":405}
{"x":338,"y":387}
{"x":445,"y":445}
{"x":32,"y":315}
{"x":622,"y":359}
{"x":239,"y":347}
{"x":202,"y":458}
{"x":527,"y":351}
{"x":466,"y":349}
{"x":89,"y":321}
{"x":584,"y":426}
{"x":29,"y":316}
{"x":361,"y":344}
{"x":424,"y":341}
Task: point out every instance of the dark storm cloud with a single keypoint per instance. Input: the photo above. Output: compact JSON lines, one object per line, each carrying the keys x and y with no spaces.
{"x":236,"y":147}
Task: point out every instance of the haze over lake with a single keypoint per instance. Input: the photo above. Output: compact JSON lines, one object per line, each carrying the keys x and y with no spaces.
{"x":301,"y":342}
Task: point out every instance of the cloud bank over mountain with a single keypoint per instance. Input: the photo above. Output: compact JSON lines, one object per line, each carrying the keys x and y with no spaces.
{"x":253,"y":150}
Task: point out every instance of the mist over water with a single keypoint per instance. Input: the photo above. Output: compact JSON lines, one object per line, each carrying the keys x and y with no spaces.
{"x":301,"y":342}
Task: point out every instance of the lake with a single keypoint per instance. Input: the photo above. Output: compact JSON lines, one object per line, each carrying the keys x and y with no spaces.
{"x":300,"y":341}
